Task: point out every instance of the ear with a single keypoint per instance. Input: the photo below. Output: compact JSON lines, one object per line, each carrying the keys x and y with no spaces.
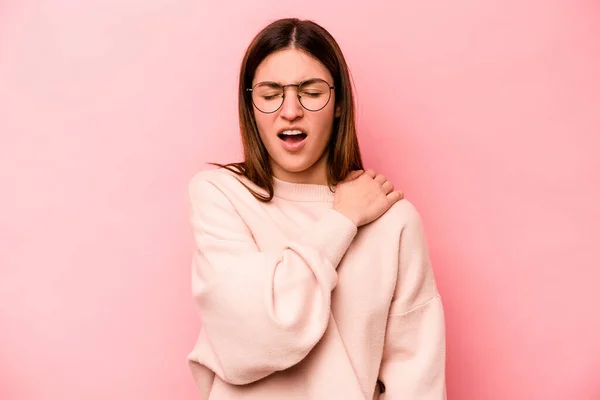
{"x":338,"y":111}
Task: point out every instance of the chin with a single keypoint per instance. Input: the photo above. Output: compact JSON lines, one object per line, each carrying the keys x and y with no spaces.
{"x":295,"y":166}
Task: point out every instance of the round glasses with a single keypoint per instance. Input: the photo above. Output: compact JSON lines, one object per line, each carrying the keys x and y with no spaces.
{"x":314,"y":94}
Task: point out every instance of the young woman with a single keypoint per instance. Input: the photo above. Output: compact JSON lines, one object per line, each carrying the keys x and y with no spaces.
{"x":312,"y":276}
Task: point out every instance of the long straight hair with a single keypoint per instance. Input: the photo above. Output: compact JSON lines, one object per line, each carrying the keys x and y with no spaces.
{"x":343,"y":150}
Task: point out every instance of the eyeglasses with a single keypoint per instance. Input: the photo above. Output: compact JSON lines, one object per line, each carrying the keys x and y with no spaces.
{"x":314,"y":95}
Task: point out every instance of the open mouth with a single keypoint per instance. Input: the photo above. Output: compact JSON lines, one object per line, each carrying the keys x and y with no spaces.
{"x":292,"y":137}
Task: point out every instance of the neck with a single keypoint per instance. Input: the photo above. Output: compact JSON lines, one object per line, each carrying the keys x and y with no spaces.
{"x":315,"y":174}
{"x":303,"y":192}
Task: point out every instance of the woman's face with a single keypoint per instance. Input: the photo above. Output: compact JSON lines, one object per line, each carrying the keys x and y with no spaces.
{"x":295,"y":157}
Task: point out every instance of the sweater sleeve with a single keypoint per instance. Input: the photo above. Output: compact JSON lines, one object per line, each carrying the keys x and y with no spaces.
{"x":413,"y":363}
{"x":261,"y":311}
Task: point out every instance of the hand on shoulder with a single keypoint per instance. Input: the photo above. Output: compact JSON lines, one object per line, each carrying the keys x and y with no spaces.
{"x":364,"y":196}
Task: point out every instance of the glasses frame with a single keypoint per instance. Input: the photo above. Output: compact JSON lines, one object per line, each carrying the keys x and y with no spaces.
{"x":312,"y":80}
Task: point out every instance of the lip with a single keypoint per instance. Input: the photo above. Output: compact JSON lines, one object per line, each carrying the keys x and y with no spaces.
{"x":292,"y":147}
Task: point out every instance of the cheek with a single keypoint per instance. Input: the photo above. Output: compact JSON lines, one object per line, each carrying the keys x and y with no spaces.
{"x":325,"y":124}
{"x":264,"y":124}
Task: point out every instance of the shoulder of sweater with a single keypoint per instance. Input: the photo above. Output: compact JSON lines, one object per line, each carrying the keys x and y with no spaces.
{"x":213,"y":175}
{"x":220,"y":184}
{"x":208,"y":183}
{"x":405,"y":210}
{"x":221,"y":178}
{"x":404,"y":214}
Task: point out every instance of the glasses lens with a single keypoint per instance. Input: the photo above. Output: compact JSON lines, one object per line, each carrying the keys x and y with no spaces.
{"x":267,"y":97}
{"x":314,"y":95}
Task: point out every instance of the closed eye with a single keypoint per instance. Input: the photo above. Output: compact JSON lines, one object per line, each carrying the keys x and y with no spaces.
{"x":271,"y":97}
{"x":311,"y":94}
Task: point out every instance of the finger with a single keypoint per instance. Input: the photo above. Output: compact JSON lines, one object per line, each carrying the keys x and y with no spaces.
{"x":380,"y":179}
{"x":350,"y":176}
{"x":371,"y":173}
{"x":353,"y":175}
{"x":387,"y":187}
{"x":395,"y":196}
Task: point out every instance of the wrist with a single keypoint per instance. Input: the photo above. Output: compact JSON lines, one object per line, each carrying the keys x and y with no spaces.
{"x":348,"y":215}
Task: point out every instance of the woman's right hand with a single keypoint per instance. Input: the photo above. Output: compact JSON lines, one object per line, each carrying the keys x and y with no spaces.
{"x":364,"y":196}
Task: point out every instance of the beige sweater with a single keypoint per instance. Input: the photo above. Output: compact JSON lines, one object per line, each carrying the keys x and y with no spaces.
{"x":297,"y":303}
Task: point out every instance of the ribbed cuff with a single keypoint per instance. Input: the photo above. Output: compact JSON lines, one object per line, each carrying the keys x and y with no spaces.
{"x":332,"y":235}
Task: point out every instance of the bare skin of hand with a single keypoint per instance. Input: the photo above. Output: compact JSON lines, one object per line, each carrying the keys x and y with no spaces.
{"x":364,"y":196}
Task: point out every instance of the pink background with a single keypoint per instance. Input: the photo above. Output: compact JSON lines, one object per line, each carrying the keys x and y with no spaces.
{"x":486,"y":113}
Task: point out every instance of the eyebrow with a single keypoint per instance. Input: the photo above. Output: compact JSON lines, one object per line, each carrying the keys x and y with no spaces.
{"x":277,"y":84}
{"x":311,"y":80}
{"x":269,"y":83}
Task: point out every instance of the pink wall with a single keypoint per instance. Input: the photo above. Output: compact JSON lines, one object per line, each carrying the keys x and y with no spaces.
{"x":487,"y":114}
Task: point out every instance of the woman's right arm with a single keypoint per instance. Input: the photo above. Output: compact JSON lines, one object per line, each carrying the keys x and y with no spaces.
{"x":261,"y":311}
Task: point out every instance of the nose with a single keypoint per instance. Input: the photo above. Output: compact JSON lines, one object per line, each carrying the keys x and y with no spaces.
{"x":291,"y":108}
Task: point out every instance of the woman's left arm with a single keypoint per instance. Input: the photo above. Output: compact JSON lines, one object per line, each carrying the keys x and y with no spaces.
{"x":414,"y":354}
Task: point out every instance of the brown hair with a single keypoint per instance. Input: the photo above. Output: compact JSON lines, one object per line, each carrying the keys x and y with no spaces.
{"x":343,"y":151}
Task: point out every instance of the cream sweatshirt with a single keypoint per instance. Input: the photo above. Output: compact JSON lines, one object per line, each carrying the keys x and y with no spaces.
{"x":297,"y":303}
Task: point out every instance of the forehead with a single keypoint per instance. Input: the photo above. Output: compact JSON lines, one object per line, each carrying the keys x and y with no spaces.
{"x":290,"y":66}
